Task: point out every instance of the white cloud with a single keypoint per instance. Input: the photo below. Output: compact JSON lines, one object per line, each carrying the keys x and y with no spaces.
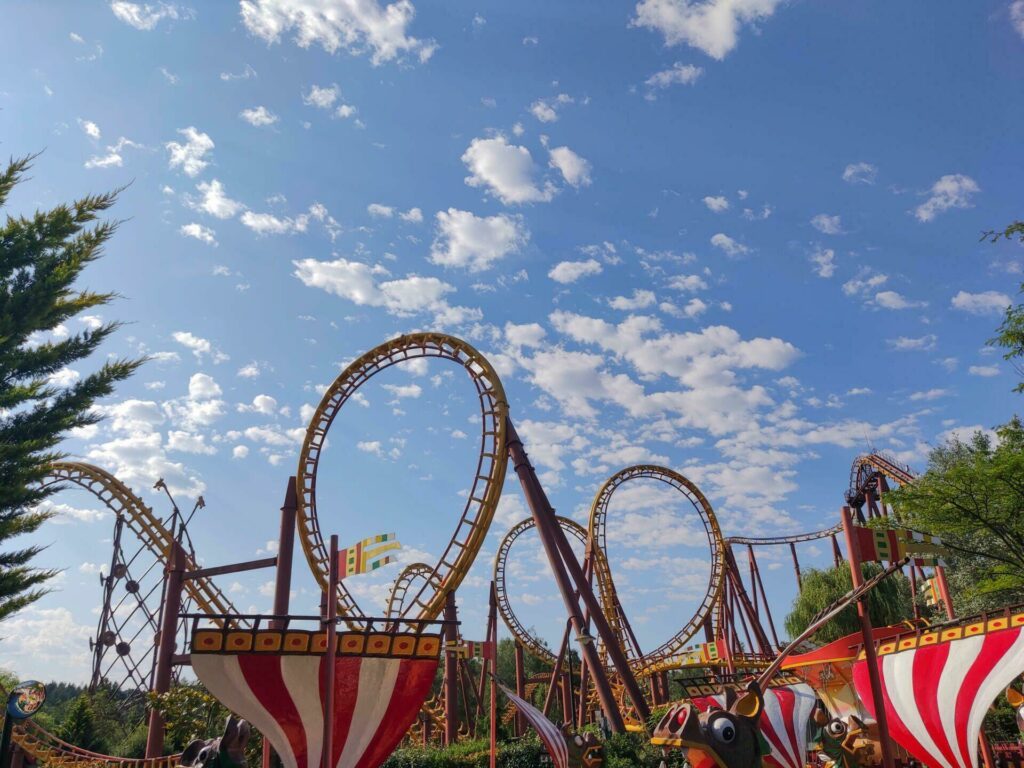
{"x":716,"y":204}
{"x":202,"y":386}
{"x":245,"y":74}
{"x":728,"y":245}
{"x":1017,"y":16}
{"x":413,"y":216}
{"x":65,"y":513}
{"x":89,"y":128}
{"x":214,"y":201}
{"x":269,"y":224}
{"x":380,"y":211}
{"x":258,"y":116}
{"x":506,"y":170}
{"x":190,"y":155}
{"x":357,"y":27}
{"x":930,"y":394}
{"x":824,"y":260}
{"x":687,"y":283}
{"x":189,"y":442}
{"x":829,"y":225}
{"x":264,"y":404}
{"x":373,"y":447}
{"x":678,"y":74}
{"x":638,"y":300}
{"x":199,"y":232}
{"x":358,"y":282}
{"x":906,"y":344}
{"x":570,"y":271}
{"x":404,"y":390}
{"x":526,"y":335}
{"x":984,"y":303}
{"x":476,"y":243}
{"x":711,"y":26}
{"x":145,"y":17}
{"x":113,"y":158}
{"x":546,"y":110}
{"x":951,"y":191}
{"x":860,"y":173}
{"x":574,"y":169}
{"x":321,"y":96}
{"x":863,"y":283}
{"x":984,"y":370}
{"x":170,"y":77}
{"x":64,"y":378}
{"x":239,"y":451}
{"x":894,"y":300}
{"x":200,"y":347}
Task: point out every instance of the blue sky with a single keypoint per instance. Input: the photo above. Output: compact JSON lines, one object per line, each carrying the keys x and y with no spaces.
{"x":736,"y":237}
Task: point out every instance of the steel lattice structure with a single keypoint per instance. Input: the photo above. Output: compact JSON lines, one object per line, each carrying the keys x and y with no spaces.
{"x":124,"y":649}
{"x":485,"y":489}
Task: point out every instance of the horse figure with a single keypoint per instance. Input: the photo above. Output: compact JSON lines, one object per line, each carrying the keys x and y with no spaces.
{"x":849,"y":743}
{"x":585,"y":751}
{"x":227,"y":751}
{"x":726,"y":738}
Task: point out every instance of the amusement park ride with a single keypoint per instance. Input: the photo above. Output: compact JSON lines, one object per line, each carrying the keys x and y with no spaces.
{"x":342,"y":689}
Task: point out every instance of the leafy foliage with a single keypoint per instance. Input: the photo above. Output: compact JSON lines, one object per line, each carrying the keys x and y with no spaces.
{"x":41,"y":260}
{"x":888,"y":603}
{"x":972,"y":496}
{"x":191,"y":712}
{"x":1010,"y":334}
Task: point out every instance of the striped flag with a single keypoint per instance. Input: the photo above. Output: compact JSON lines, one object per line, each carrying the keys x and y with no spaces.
{"x":366,"y":555}
{"x":473,"y":649}
{"x":891,"y":544}
{"x":553,"y":739}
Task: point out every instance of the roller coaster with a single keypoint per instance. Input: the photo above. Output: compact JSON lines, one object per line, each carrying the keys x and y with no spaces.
{"x":734,"y":618}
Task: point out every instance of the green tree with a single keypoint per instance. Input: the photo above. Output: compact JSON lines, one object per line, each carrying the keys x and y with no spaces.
{"x":79,"y":726}
{"x":1010,"y":334}
{"x":888,"y":603}
{"x":972,"y":496}
{"x":41,"y":260}
{"x":191,"y":712}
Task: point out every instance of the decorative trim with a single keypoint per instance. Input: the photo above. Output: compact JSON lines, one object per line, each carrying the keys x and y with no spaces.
{"x":290,"y":642}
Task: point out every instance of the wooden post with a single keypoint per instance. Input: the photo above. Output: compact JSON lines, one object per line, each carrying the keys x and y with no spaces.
{"x":871,"y":657}
{"x":520,"y":685}
{"x":494,"y":676}
{"x":174,"y":580}
{"x":330,"y":655}
{"x":451,"y":696}
{"x":556,"y":546}
{"x":283,"y":574}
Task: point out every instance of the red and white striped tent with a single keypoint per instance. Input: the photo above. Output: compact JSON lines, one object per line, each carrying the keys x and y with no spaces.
{"x":938,"y":685}
{"x":275,"y":680}
{"x":784,"y":719}
{"x":549,"y":733}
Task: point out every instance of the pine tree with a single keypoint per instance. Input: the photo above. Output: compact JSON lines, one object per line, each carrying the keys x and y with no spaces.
{"x":79,"y":726}
{"x":41,"y":259}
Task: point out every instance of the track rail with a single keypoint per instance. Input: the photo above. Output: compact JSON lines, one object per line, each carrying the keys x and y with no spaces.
{"x":794,"y":539}
{"x":485,"y":488}
{"x":44,"y":747}
{"x":142,"y":521}
{"x":598,"y":533}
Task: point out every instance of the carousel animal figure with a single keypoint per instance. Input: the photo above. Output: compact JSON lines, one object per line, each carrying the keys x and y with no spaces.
{"x":1016,"y":700}
{"x":718,"y":737}
{"x":584,"y":749}
{"x":849,"y":743}
{"x":226,"y":751}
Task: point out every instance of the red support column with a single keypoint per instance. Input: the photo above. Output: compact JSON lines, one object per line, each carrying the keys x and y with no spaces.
{"x":796,"y":565}
{"x":330,"y":655}
{"x":871,"y":658}
{"x":451,"y":696}
{"x":520,"y":686}
{"x":555,"y":545}
{"x":283,"y":574}
{"x":567,"y":699}
{"x":837,"y":556}
{"x":174,"y":580}
{"x":494,"y":676}
{"x":556,"y":670}
{"x":764,"y":595}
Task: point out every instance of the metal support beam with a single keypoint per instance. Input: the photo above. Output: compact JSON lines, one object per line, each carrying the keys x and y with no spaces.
{"x":451,"y":680}
{"x":330,"y":656}
{"x":173,"y":584}
{"x":520,"y":723}
{"x":550,"y":533}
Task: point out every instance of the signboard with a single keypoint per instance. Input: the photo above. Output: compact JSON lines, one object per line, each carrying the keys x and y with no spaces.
{"x":26,"y":699}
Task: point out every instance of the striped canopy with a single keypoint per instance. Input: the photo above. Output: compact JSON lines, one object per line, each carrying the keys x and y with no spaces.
{"x":787,"y":711}
{"x":549,"y":733}
{"x":937,"y":686}
{"x":275,"y":680}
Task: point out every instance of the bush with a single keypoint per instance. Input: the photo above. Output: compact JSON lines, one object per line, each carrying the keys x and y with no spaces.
{"x":524,"y":753}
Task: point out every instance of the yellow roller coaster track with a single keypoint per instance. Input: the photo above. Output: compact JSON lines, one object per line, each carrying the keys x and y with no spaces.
{"x":485,"y":488}
{"x":123,"y":502}
{"x":610,"y":601}
{"x":140,"y":519}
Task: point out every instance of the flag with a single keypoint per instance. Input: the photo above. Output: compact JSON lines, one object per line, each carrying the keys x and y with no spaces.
{"x":472,"y":649}
{"x":929,"y":588}
{"x":891,"y":544}
{"x":366,"y":555}
{"x":549,"y":733}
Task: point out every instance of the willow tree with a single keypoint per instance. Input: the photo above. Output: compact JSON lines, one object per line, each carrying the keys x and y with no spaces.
{"x":888,"y":603}
{"x":42,"y":398}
